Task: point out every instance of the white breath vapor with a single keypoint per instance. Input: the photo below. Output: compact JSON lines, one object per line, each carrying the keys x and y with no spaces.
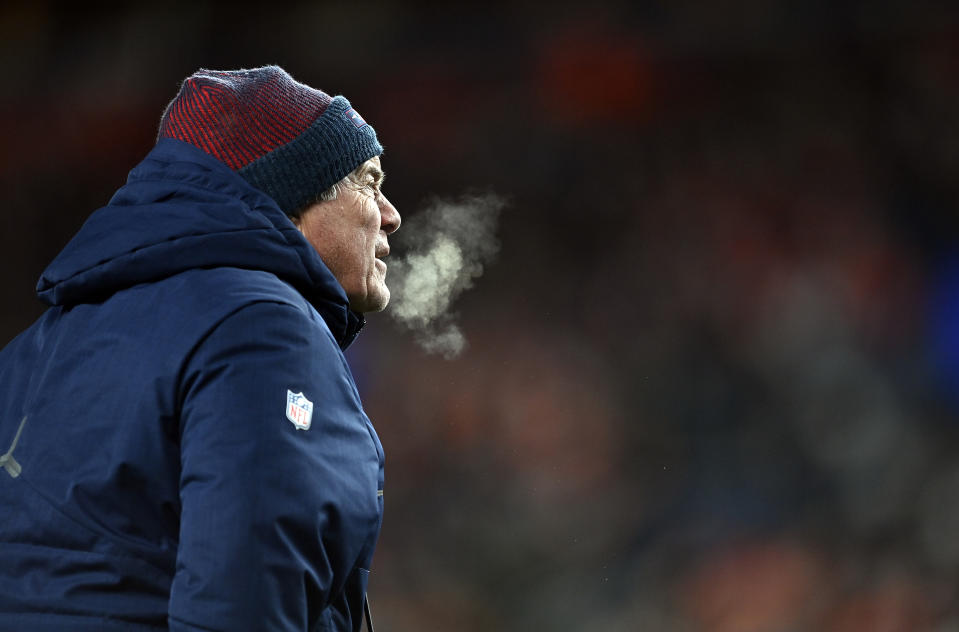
{"x":449,"y":244}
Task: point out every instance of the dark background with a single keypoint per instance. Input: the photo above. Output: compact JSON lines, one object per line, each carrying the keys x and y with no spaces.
{"x":713,"y":375}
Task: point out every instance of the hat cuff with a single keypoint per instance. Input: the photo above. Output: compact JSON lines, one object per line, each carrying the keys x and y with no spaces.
{"x":296,"y":173}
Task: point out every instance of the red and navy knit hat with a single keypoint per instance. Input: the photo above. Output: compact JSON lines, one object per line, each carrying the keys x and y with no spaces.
{"x":289,"y":140}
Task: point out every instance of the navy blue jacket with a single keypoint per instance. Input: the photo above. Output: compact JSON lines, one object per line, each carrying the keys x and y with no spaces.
{"x":157,"y":479}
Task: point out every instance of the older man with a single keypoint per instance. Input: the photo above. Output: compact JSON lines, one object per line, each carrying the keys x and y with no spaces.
{"x":185,"y":448}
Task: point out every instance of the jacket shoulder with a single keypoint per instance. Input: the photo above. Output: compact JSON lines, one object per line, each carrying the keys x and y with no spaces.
{"x":215,"y":293}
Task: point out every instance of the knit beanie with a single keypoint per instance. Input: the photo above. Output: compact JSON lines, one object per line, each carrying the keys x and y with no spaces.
{"x":289,"y":140}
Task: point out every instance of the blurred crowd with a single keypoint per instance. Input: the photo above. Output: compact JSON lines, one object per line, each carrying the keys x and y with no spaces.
{"x":712,"y":381}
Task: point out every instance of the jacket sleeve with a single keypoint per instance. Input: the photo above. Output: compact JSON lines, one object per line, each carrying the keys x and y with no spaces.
{"x":274,"y":517}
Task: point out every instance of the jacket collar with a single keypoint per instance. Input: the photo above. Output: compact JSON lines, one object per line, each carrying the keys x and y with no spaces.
{"x":182,"y":209}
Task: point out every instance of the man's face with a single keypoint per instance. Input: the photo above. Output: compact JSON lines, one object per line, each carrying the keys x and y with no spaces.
{"x":350,"y":233}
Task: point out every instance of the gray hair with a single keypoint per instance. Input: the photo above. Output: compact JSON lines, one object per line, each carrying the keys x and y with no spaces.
{"x":351,"y":179}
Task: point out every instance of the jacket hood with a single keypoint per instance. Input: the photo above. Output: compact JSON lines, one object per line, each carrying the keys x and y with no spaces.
{"x":182,"y":209}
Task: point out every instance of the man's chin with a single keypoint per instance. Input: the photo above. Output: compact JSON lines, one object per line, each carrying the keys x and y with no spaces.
{"x":372,"y":302}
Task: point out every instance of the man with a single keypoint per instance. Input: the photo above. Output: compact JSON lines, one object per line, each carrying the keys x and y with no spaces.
{"x":187,"y":449}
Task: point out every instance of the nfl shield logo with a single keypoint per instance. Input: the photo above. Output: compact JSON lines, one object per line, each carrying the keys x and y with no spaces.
{"x":354,"y":117}
{"x":299,"y":410}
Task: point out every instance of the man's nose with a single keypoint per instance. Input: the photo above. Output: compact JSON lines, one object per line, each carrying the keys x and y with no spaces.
{"x":389,"y":217}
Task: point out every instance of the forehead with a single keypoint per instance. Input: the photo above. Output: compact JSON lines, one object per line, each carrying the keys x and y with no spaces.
{"x":373,"y":164}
